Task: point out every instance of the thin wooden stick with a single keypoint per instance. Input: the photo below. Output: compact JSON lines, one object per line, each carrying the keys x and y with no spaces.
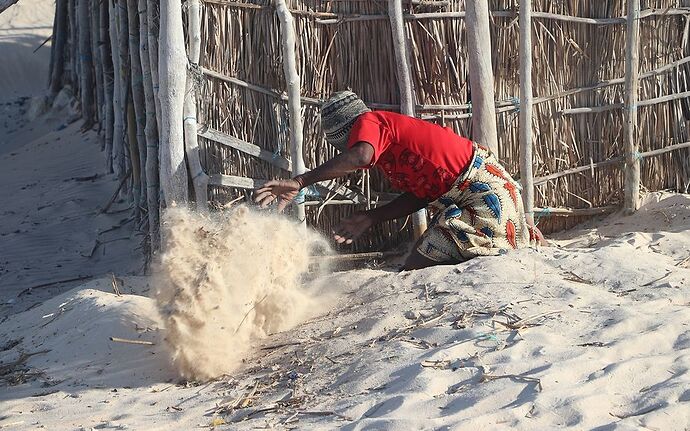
{"x":127,"y":341}
{"x":632,"y":162}
{"x":358,"y":256}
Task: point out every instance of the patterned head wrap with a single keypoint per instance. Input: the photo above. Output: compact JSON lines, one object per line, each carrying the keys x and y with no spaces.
{"x":338,"y":114}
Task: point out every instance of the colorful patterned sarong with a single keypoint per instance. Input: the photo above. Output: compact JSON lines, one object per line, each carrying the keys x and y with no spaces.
{"x":481,"y":215}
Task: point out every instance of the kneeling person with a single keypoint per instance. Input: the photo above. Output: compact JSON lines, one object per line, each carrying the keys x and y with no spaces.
{"x":478,"y":208}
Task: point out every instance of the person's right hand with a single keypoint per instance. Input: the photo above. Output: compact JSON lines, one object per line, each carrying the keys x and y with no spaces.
{"x":351,"y":228}
{"x":283,"y":190}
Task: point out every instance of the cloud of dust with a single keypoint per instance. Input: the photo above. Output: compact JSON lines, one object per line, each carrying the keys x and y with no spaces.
{"x":228,"y":279}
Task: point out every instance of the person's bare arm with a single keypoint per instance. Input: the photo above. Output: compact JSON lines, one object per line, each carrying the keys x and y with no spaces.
{"x":342,"y":164}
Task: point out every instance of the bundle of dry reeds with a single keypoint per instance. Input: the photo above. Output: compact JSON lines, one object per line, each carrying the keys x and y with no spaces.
{"x":578,"y":83}
{"x":577,"y":47}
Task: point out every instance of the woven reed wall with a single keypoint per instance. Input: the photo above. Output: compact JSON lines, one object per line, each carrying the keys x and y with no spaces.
{"x":242,"y":40}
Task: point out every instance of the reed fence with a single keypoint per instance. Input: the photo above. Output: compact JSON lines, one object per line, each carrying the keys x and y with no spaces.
{"x":584,"y":101}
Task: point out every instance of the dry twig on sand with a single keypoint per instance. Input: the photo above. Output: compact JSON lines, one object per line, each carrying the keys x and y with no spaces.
{"x":489,"y":377}
{"x":127,"y":341}
{"x":525,"y":323}
{"x":116,"y":287}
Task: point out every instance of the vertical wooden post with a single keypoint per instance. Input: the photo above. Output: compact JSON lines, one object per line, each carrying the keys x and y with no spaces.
{"x":108,"y":81}
{"x":74,"y":64}
{"x":59,"y":45}
{"x":153,"y":16}
{"x":96,"y":42}
{"x":172,"y":69}
{"x":118,"y":140}
{"x":632,"y":162}
{"x":526,"y":160}
{"x":129,"y":157}
{"x":137,"y":95}
{"x":150,"y":130}
{"x":86,"y":60}
{"x":199,"y":177}
{"x":481,"y":74}
{"x":287,"y":30}
{"x":407,"y":105}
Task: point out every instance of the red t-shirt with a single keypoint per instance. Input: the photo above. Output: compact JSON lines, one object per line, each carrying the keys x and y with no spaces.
{"x":417,"y":156}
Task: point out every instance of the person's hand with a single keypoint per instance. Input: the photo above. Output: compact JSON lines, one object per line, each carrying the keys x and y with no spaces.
{"x":351,"y":228}
{"x":283,"y":190}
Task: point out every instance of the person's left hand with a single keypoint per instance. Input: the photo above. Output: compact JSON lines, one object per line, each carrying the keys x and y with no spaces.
{"x":353,"y":227}
{"x":283,"y":190}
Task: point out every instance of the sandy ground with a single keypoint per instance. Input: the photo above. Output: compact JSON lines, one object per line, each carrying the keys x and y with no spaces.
{"x":592,"y":333}
{"x":23,"y":28}
{"x":54,"y":183}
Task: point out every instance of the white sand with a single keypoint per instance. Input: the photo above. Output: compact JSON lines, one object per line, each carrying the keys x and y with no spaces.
{"x":612,"y":351}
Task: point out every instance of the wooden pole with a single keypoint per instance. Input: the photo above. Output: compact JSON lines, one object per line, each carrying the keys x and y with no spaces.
{"x":481,"y":74}
{"x":526,"y":160}
{"x":73,"y":42}
{"x":108,"y":82}
{"x":172,"y":69}
{"x":138,"y":95}
{"x":118,"y":140}
{"x":59,"y":45}
{"x":287,"y":30}
{"x":153,"y":17}
{"x":96,"y":42}
{"x":407,"y":104}
{"x":86,"y":70}
{"x":632,"y":161}
{"x":199,"y":177}
{"x":128,"y":157}
{"x":150,"y":130}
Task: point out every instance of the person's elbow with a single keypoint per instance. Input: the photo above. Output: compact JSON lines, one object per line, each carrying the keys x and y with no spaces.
{"x":362,"y":153}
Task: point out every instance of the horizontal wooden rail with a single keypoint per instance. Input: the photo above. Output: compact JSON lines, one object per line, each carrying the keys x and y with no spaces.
{"x":357,"y":256}
{"x":641,"y":103}
{"x":612,"y":161}
{"x":235,"y":181}
{"x":501,"y":105}
{"x":337,"y":19}
{"x":333,"y":18}
{"x":244,"y":146}
{"x":567,"y":212}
